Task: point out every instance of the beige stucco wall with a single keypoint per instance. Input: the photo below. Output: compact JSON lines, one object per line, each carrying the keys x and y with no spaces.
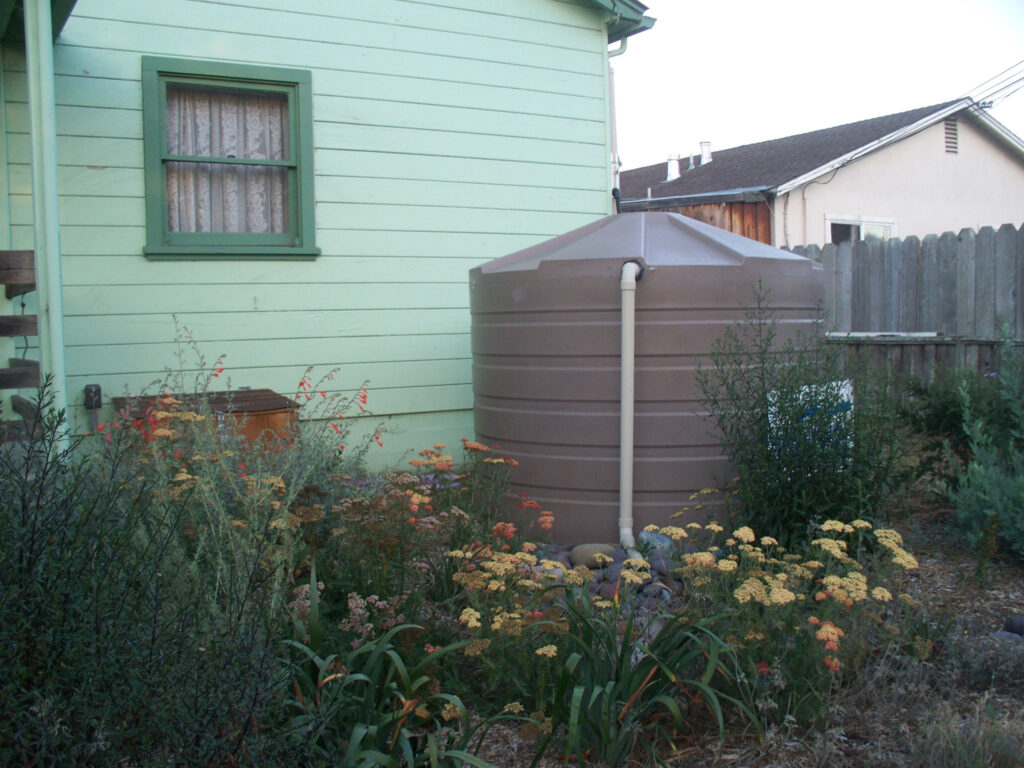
{"x":915,"y":184}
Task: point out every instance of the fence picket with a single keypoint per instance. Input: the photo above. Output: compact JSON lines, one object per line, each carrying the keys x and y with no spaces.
{"x":985,"y":285}
{"x":963,"y":287}
{"x":1006,"y":282}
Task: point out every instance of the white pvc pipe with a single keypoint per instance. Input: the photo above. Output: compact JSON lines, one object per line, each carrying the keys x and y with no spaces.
{"x":43,"y":131}
{"x":630,"y":273}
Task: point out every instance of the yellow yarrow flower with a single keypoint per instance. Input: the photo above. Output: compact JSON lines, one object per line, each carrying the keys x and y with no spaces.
{"x":882,"y":594}
{"x":550,"y":651}
{"x":470,"y":618}
{"x":744,"y":534}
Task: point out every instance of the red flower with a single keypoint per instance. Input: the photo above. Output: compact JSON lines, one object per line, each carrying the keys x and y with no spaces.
{"x":337,"y":429}
{"x":763,"y":668}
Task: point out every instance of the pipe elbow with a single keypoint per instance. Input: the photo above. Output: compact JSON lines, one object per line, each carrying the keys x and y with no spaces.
{"x":631,"y":272}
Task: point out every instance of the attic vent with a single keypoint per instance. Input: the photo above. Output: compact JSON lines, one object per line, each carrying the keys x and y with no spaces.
{"x":951,"y":135}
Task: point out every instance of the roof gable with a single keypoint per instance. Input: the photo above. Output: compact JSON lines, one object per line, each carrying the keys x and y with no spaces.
{"x":782,"y":164}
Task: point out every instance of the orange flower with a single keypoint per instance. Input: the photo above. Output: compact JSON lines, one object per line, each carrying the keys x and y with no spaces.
{"x":832,"y":663}
{"x":504,"y":530}
{"x":473,"y":445}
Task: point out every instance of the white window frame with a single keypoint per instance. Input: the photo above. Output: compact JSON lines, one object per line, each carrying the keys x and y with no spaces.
{"x":858,"y":221}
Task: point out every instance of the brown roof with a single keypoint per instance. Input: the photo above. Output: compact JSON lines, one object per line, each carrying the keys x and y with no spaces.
{"x":767,"y":164}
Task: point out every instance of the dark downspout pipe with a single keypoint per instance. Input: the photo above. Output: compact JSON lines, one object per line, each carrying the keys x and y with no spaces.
{"x":617,"y":195}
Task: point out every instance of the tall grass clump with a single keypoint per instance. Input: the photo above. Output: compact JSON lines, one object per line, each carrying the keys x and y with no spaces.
{"x":810,"y":433}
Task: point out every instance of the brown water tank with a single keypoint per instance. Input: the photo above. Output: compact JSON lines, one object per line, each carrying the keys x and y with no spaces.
{"x":546,"y":360}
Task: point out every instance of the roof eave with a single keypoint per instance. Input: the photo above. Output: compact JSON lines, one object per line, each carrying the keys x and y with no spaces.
{"x":627,"y":18}
{"x":884,"y":141}
{"x":741,"y":195}
{"x":10,"y":11}
{"x":1000,"y":131}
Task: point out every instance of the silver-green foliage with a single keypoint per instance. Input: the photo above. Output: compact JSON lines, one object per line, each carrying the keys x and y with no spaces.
{"x":801,"y":449}
{"x":989,"y":496}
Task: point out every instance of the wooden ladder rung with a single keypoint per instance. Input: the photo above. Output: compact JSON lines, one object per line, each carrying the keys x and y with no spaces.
{"x":22,"y":374}
{"x":19,"y":325}
{"x":18,"y":272}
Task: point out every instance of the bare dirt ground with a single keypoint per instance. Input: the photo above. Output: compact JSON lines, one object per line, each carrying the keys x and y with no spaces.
{"x":961,"y":707}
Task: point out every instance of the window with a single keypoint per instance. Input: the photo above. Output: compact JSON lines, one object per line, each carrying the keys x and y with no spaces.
{"x":850,"y":229}
{"x":228,"y":155}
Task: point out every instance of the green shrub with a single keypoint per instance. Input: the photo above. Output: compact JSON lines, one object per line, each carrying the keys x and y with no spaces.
{"x":989,"y":494}
{"x":806,"y":620}
{"x":119,"y":639}
{"x":802,"y":451}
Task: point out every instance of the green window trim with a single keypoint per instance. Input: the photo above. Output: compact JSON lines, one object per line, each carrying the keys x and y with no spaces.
{"x":299,"y":241}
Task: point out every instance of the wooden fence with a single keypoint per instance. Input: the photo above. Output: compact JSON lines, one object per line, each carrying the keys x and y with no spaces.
{"x":920,"y":303}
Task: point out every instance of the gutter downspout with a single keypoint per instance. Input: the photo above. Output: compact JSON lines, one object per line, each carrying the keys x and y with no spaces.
{"x":616,"y":162}
{"x":631,"y":272}
{"x":45,"y":212}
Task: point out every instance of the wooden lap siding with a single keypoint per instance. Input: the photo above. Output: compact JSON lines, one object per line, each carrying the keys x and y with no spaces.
{"x":753,"y":220}
{"x":444,"y":136}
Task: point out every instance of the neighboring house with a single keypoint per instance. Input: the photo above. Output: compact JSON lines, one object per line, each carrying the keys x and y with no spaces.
{"x":927,"y":170}
{"x":303,"y":183}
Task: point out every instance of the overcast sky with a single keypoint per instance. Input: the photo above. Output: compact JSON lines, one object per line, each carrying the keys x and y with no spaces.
{"x":739,"y":71}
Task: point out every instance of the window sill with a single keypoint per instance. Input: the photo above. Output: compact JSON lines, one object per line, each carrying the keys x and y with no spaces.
{"x":230,"y":253}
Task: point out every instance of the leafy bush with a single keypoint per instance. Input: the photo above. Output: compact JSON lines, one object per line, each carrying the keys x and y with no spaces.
{"x":118,"y":639}
{"x":804,"y":620}
{"x":802,"y":447}
{"x":989,"y":495}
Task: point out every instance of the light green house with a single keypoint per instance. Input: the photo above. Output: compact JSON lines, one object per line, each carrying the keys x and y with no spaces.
{"x":300,"y":184}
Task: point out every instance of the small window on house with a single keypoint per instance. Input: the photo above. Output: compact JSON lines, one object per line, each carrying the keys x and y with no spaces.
{"x":844,"y":233}
{"x":852,"y":229}
{"x":952,"y":136}
{"x":228,"y":154}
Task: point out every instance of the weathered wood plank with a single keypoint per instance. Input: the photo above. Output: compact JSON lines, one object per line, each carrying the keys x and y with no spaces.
{"x":874,"y":286}
{"x":24,"y":407}
{"x":909,"y":319}
{"x":18,"y":325}
{"x":23,"y":377}
{"x":1019,"y":283}
{"x":828,"y":266}
{"x":985,"y":284}
{"x":17,"y":267}
{"x":965,"y":282}
{"x":844,"y":287}
{"x":1006,"y":278}
{"x":945,"y":296}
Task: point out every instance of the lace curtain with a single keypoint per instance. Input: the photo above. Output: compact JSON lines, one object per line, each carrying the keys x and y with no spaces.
{"x":221,"y":197}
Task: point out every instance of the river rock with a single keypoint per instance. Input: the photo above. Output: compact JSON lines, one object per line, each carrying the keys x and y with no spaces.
{"x":1014,"y":624}
{"x":586,"y":554}
{"x":652,"y":540}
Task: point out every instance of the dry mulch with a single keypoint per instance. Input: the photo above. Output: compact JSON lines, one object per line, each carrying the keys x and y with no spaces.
{"x":899,"y":715}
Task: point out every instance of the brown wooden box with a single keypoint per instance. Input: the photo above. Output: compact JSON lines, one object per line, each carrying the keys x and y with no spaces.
{"x":257,"y":414}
